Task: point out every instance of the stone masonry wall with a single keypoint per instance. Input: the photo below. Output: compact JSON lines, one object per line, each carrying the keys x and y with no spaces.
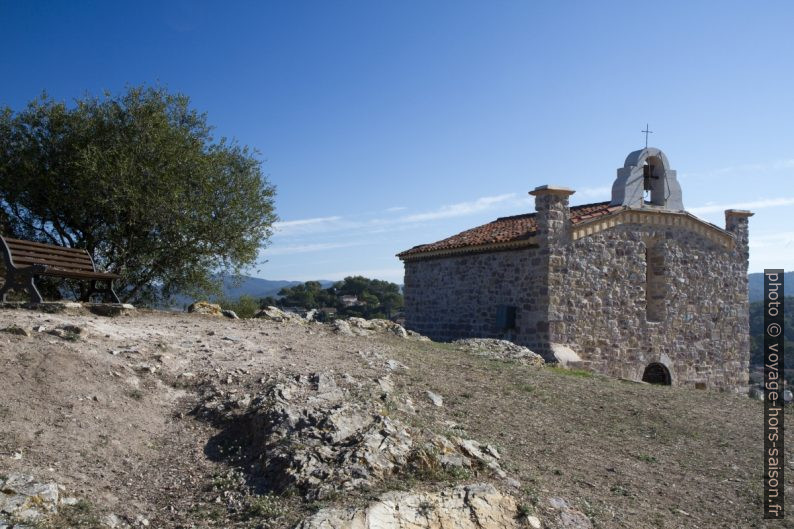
{"x":590,"y":295}
{"x":457,"y":297}
{"x":598,"y":306}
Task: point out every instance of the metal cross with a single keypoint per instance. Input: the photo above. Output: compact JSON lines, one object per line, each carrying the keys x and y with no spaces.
{"x":646,"y":131}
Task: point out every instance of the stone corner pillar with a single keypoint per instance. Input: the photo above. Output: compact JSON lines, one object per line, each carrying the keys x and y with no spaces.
{"x":553,"y":215}
{"x":553,"y":218}
{"x":737,"y":222}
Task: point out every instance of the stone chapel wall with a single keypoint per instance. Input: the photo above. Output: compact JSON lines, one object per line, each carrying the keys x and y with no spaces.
{"x":458,"y":296}
{"x":702,"y":335}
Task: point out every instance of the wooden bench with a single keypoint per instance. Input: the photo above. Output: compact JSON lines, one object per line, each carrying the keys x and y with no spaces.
{"x":27,"y":260}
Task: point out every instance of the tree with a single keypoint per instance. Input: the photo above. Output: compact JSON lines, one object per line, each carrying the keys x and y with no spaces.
{"x":139,"y":181}
{"x":309,"y":295}
{"x":378,"y":299}
{"x":381,"y":298}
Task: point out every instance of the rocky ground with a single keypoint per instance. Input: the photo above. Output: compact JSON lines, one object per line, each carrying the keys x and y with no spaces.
{"x":155,"y":419}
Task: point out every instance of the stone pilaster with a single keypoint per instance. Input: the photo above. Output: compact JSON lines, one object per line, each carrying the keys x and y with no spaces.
{"x":553,"y":215}
{"x":553,"y":218}
{"x":737,"y":222}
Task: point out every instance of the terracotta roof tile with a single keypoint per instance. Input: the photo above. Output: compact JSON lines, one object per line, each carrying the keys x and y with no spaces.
{"x":506,"y":229}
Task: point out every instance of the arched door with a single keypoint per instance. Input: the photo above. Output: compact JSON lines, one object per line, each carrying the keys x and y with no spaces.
{"x":657,"y":373}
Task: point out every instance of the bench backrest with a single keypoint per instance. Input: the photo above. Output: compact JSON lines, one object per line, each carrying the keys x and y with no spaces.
{"x":26,"y":253}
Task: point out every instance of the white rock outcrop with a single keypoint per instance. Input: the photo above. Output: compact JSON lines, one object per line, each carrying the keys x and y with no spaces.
{"x":500,"y":349}
{"x":479,"y":506}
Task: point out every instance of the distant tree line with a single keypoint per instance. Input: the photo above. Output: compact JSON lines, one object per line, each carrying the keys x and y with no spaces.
{"x":757,"y":336}
{"x":353,"y":296}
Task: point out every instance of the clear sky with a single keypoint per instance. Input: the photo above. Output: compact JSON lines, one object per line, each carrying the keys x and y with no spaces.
{"x":387,"y":124}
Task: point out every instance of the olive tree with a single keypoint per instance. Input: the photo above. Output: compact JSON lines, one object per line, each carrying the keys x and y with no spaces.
{"x":139,"y":181}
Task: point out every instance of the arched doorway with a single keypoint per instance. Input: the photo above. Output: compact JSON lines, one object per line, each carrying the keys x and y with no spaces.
{"x":656,"y":373}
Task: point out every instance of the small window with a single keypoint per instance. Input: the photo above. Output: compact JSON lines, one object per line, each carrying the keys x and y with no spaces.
{"x":505,"y":317}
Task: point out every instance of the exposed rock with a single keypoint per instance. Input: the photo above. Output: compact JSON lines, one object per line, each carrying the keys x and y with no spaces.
{"x":386,"y":384}
{"x":342,"y":327}
{"x":500,"y":349}
{"x":464,"y":507}
{"x":564,"y":355}
{"x":312,"y":438}
{"x":567,"y":517}
{"x":512,"y":482}
{"x":481,"y":453}
{"x":111,"y":309}
{"x":51,"y":307}
{"x":394,"y":365}
{"x":276,"y":314}
{"x":362,"y":327}
{"x":205,"y":307}
{"x":323,"y":437}
{"x":25,"y":499}
{"x":435,"y":398}
{"x":230,"y":314}
{"x":111,"y":521}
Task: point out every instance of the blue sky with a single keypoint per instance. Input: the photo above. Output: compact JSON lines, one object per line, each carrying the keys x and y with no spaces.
{"x":387,"y":124}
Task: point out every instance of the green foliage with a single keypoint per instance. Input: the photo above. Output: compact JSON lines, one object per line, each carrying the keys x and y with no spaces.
{"x":375,"y":298}
{"x":139,"y":181}
{"x":757,"y":336}
{"x":647,"y":458}
{"x":309,"y":295}
{"x":757,"y":332}
{"x":80,"y":515}
{"x":268,"y":507}
{"x":524,"y":510}
{"x":245,"y":306}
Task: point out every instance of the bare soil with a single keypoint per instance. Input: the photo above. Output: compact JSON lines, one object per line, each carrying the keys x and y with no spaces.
{"x":108,"y":413}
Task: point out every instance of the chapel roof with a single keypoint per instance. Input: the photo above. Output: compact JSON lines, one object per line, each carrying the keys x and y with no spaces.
{"x":505,"y":230}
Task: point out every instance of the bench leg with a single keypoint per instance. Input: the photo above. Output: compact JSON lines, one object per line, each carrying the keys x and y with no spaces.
{"x":17,"y":281}
{"x":11,"y":283}
{"x":107,"y":291}
{"x":86,"y":295}
{"x":30,"y":286}
{"x":112,"y":293}
{"x":7,"y":286}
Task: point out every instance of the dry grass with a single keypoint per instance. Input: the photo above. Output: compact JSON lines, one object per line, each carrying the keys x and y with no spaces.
{"x":627,"y":455}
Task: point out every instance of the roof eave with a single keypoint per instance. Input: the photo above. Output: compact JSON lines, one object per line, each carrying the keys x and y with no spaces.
{"x":481,"y":248}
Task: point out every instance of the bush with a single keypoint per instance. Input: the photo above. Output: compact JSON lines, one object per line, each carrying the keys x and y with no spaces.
{"x":245,"y":306}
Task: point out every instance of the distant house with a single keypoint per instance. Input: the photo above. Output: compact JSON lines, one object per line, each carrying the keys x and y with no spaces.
{"x":634,"y":287}
{"x":350,"y":301}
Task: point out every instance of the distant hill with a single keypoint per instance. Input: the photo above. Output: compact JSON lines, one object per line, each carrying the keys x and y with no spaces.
{"x":259,"y":288}
{"x":757,"y":285}
{"x":249,"y":286}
